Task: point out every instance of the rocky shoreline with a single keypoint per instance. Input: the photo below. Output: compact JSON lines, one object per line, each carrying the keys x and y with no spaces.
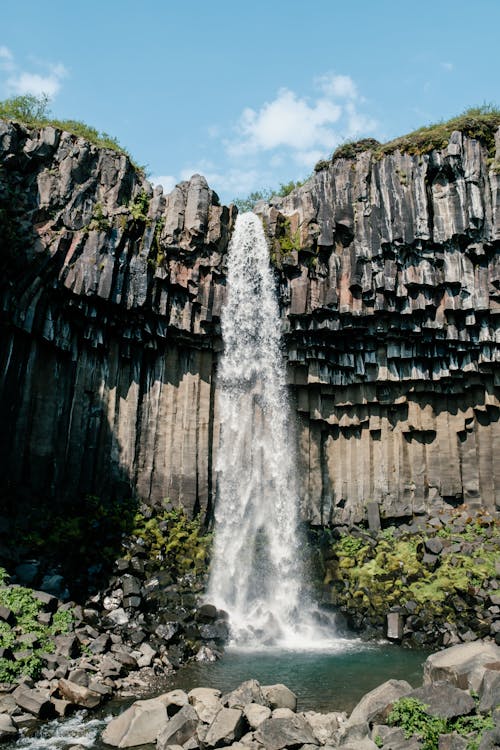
{"x":452,"y":710}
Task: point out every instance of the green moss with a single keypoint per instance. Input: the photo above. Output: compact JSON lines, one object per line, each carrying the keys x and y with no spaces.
{"x":375,"y":578}
{"x":178,"y":543}
{"x":99,"y":221}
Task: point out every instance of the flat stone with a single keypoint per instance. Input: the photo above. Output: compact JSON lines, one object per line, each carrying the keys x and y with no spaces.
{"x":138,"y":725}
{"x":8,"y":730}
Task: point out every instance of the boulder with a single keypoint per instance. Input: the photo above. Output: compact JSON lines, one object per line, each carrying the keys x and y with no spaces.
{"x":444,"y":700}
{"x":174,"y":700}
{"x":8,"y":730}
{"x":275,"y":734}
{"x":179,"y":729}
{"x":325,"y":727}
{"x":34,"y":702}
{"x":138,"y":725}
{"x":376,"y":705}
{"x":279,"y":696}
{"x":206,"y":703}
{"x":255,"y":714}
{"x":462,"y":665}
{"x":489,"y":691}
{"x":79,"y":694}
{"x":248,"y":692}
{"x":395,"y":626}
{"x":227,"y":727}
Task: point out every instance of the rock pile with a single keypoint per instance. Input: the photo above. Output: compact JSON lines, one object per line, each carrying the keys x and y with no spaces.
{"x":255,"y":716}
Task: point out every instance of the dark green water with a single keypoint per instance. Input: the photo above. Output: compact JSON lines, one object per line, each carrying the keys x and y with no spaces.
{"x":322,"y":681}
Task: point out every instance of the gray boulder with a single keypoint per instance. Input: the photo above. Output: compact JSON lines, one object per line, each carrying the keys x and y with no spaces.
{"x":462,"y":665}
{"x":489,"y":692}
{"x":34,"y":702}
{"x":8,"y":730}
{"x":248,"y":692}
{"x":79,"y":695}
{"x":206,"y":702}
{"x":279,"y":696}
{"x":255,"y":714}
{"x":275,"y":734}
{"x":325,"y":727}
{"x":375,"y":705}
{"x":444,"y":700}
{"x":179,"y":729}
{"x":226,"y":728}
{"x":138,"y":725}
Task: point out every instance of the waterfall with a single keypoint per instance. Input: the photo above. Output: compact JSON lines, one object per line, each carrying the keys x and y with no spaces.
{"x":256,"y":572}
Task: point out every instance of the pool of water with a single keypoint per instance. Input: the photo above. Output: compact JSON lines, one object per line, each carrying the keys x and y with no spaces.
{"x":323,"y":681}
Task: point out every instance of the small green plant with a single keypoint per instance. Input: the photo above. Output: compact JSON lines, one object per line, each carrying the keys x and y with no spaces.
{"x":99,"y":221}
{"x":139,"y":207}
{"x":378,"y":740}
{"x":411,"y":715}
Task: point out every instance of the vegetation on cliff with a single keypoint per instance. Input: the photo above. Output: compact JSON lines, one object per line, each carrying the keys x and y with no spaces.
{"x":480,"y":123}
{"x":433,"y":577}
{"x":33,"y":111}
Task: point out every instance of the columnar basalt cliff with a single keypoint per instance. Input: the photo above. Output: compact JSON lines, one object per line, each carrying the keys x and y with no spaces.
{"x":111,"y":292}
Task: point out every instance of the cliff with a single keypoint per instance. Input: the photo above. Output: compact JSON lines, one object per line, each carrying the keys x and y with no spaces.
{"x":389,"y":281}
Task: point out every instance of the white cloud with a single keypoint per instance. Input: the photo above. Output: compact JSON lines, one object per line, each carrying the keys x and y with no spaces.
{"x":168,"y":182}
{"x":45,"y":79}
{"x":303,"y":128}
{"x":34,"y":83}
{"x":339,"y":86}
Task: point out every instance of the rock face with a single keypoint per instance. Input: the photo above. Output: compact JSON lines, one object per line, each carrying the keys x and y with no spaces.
{"x":110,"y":293}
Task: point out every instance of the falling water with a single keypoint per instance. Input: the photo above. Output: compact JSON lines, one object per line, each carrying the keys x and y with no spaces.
{"x":256,"y":569}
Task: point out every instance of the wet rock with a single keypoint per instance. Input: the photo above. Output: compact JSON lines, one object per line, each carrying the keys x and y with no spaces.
{"x":8,"y":730}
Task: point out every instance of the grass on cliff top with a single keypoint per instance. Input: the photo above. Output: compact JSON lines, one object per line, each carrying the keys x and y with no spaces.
{"x":33,"y":111}
{"x":480,"y":123}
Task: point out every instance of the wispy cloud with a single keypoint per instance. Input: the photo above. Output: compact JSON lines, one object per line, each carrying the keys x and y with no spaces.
{"x":448,"y":66}
{"x":46,"y":78}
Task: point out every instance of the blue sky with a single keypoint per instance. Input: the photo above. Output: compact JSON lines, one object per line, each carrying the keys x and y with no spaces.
{"x":250,"y":94}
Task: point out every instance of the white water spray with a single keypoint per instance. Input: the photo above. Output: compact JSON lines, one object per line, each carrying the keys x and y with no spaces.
{"x":256,"y":568}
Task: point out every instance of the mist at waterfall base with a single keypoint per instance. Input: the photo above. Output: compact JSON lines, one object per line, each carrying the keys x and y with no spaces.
{"x":256,"y":572}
